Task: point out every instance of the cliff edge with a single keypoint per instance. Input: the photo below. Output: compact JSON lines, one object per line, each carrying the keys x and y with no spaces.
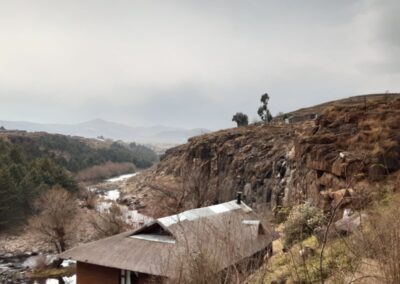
{"x":348,"y":148}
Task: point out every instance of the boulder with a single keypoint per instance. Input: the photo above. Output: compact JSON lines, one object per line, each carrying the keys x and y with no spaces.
{"x":350,"y":223}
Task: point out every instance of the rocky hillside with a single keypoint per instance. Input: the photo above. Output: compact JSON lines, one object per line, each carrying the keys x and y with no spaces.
{"x":348,"y":147}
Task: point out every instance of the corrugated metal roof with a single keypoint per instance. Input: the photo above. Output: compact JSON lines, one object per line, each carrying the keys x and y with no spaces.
{"x":155,"y":238}
{"x":251,"y":222}
{"x":204,"y":212}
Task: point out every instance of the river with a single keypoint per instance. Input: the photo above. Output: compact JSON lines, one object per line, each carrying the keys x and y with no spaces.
{"x":106,"y":198}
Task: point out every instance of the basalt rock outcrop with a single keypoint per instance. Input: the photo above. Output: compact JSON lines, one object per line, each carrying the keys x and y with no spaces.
{"x":335,"y":154}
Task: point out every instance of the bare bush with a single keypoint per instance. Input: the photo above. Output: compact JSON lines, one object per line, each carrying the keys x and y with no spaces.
{"x":56,"y":220}
{"x":191,"y":192}
{"x":89,"y":197}
{"x":110,"y":222}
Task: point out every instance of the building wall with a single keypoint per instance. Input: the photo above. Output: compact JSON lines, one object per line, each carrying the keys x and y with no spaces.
{"x":95,"y":274}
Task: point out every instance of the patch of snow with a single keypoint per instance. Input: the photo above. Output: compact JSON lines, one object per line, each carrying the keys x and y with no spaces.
{"x":112,"y":195}
{"x":133,"y":216}
{"x":68,"y":262}
{"x":67,"y":280}
{"x":70,"y":280}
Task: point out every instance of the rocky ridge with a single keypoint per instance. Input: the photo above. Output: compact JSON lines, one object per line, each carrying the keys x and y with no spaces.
{"x":346,"y":148}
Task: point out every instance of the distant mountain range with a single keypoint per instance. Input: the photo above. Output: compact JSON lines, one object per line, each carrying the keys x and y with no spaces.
{"x":107,"y":129}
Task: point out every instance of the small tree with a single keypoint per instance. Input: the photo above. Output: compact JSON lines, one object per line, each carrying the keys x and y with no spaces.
{"x":55,"y":222}
{"x":241,"y":119}
{"x":263,"y":110}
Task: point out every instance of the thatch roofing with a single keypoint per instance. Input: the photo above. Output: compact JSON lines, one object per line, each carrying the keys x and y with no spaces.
{"x":225,"y":234}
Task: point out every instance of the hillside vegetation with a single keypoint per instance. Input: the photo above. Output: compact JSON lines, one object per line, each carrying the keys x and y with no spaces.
{"x":31,"y":163}
{"x":76,"y":154}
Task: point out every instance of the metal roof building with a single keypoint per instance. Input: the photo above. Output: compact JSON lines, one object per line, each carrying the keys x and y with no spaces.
{"x":225,"y":233}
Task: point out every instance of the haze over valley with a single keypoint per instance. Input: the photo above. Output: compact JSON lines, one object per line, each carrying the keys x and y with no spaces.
{"x":111,"y":130}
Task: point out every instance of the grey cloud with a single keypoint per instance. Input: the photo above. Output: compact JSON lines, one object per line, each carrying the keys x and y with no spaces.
{"x":190,"y":63}
{"x":381,"y":18}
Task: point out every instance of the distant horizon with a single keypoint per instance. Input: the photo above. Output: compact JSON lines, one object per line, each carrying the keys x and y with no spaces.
{"x":101,"y":119}
{"x":173,"y":126}
{"x":110,"y":130}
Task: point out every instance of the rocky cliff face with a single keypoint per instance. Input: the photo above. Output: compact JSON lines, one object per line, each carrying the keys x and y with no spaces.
{"x":349,"y":148}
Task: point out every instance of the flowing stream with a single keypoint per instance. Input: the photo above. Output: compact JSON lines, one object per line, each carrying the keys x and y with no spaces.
{"x":107,"y":198}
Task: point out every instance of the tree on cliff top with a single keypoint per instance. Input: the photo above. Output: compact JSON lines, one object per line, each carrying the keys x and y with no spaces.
{"x":241,"y":119}
{"x":263,"y":110}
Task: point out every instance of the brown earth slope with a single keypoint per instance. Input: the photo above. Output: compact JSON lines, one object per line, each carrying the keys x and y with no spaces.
{"x":348,"y":147}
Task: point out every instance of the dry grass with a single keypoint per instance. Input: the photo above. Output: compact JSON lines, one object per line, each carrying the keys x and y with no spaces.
{"x":380,"y":241}
{"x":367,"y":129}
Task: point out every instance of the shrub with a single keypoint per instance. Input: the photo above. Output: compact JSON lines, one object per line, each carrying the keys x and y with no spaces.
{"x":89,"y":197}
{"x":302,"y":221}
{"x":281,"y":214}
{"x":241,"y":119}
{"x":109,"y":222}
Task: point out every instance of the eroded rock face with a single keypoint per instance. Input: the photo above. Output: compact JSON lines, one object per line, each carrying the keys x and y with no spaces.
{"x":251,"y":159}
{"x":280,"y":164}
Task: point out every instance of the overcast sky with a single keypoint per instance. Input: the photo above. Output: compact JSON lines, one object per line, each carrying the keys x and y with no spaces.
{"x":190,"y":63}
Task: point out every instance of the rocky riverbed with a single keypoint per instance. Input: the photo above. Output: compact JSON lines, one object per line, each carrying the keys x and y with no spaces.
{"x":22,"y":252}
